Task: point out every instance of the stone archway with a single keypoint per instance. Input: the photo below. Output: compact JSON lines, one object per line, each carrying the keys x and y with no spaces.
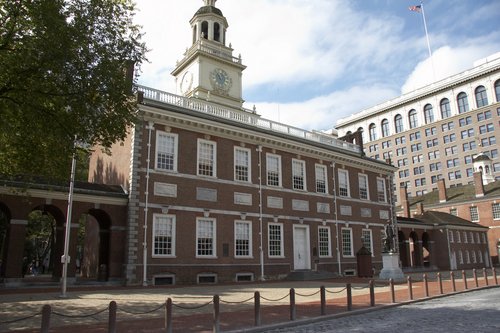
{"x":403,"y":249}
{"x":93,"y":250}
{"x":426,"y":250}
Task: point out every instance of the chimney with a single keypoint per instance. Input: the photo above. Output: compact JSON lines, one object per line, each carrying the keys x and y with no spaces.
{"x":420,"y":208}
{"x":442,"y":191}
{"x":478,"y":184}
{"x":403,"y":197}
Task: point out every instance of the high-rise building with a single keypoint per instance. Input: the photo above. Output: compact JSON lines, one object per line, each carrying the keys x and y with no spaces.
{"x":436,"y":131}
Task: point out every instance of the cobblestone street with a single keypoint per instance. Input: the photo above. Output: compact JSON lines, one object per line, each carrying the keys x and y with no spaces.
{"x":476,"y":311}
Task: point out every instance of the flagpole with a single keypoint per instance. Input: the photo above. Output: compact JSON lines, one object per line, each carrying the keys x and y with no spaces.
{"x":425,"y":27}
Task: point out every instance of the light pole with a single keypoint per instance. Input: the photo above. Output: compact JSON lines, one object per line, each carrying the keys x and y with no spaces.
{"x":65,"y":259}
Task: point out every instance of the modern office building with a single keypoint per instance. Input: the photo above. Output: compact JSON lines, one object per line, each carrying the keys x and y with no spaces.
{"x":435,"y":132}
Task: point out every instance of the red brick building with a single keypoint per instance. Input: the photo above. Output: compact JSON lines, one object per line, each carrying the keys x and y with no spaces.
{"x":475,"y":202}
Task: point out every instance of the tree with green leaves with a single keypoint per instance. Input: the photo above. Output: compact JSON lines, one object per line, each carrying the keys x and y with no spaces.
{"x":66,"y":72}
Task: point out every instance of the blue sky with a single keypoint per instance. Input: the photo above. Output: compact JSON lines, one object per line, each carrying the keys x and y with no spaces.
{"x":312,"y":62}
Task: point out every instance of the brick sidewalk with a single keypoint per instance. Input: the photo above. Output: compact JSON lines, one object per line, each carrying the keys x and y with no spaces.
{"x":274,"y":314}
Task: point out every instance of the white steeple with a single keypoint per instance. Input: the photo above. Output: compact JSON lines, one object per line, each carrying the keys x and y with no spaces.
{"x":209,"y":70}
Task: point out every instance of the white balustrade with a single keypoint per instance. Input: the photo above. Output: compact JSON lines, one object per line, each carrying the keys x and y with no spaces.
{"x":243,"y":116}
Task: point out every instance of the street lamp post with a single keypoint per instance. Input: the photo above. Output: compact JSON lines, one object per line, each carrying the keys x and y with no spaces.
{"x":65,"y":259}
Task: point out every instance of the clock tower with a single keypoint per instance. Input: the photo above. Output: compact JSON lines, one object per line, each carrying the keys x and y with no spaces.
{"x":208,"y":69}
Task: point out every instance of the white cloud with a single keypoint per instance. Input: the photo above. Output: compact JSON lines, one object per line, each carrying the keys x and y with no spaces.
{"x":320,"y":112}
{"x":447,"y":61}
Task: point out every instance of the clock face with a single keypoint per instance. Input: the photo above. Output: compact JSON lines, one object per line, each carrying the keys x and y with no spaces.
{"x":220,"y":80}
{"x":187,"y":82}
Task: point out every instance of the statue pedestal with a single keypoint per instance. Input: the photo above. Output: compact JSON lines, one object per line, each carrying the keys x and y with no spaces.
{"x":391,"y":269}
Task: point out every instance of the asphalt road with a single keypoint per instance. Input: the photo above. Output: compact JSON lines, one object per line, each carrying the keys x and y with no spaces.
{"x":476,"y":311}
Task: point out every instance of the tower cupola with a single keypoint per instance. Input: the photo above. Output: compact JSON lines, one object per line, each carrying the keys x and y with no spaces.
{"x":209,"y":70}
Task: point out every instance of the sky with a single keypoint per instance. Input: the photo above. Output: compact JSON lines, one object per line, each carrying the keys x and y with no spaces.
{"x":313,"y":62}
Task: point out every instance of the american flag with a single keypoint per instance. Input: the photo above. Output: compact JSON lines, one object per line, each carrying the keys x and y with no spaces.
{"x":415,"y":8}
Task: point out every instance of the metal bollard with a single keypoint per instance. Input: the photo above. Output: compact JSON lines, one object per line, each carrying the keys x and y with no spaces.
{"x":485,"y":275}
{"x":46,"y":311}
{"x":494,"y":272}
{"x":349,"y":296}
{"x":453,"y":285}
{"x":474,"y":274}
{"x":168,"y":316}
{"x":426,"y":285}
{"x":440,"y":281}
{"x":292,"y":304}
{"x":322,"y":292}
{"x":216,"y":326}
{"x":393,"y":294}
{"x":410,"y":288}
{"x":112,"y":317}
{"x":256,"y":298}
{"x":372,"y":293}
{"x":464,"y":276}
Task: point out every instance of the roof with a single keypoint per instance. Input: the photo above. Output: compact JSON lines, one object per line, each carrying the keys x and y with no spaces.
{"x":79,"y":187}
{"x":481,"y":157}
{"x":209,"y":10}
{"x":439,"y":219}
{"x":455,"y":195}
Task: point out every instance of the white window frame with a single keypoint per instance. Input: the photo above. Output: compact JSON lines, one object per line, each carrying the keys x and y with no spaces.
{"x":351,"y":245}
{"x":175,"y":137}
{"x":212,"y":160}
{"x":282,"y":247}
{"x":495,"y":210}
{"x":299,"y":171}
{"x":321,"y":174}
{"x":248,"y":166}
{"x":366,"y":188}
{"x":213,"y":236}
{"x":169,"y":219}
{"x":452,"y":239}
{"x":324,"y":242}
{"x":381,"y":191}
{"x":248,"y":224}
{"x":368,"y":232}
{"x":474,"y":213}
{"x":343,"y":173}
{"x":278,"y":159}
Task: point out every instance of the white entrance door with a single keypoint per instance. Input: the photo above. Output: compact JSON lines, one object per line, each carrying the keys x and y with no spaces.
{"x":301,"y":254}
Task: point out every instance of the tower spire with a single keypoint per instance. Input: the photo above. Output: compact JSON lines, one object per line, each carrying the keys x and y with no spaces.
{"x":210,"y":2}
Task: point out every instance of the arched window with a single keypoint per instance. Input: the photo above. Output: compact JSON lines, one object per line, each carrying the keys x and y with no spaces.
{"x":204,"y":29}
{"x":428,"y":114}
{"x":445,"y":108}
{"x":412,"y":118}
{"x":481,"y":97}
{"x":362,"y":133}
{"x":385,"y":128}
{"x":398,"y":123}
{"x":463,"y":103}
{"x":372,"y":132}
{"x":497,"y":90}
{"x":217,"y":32}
